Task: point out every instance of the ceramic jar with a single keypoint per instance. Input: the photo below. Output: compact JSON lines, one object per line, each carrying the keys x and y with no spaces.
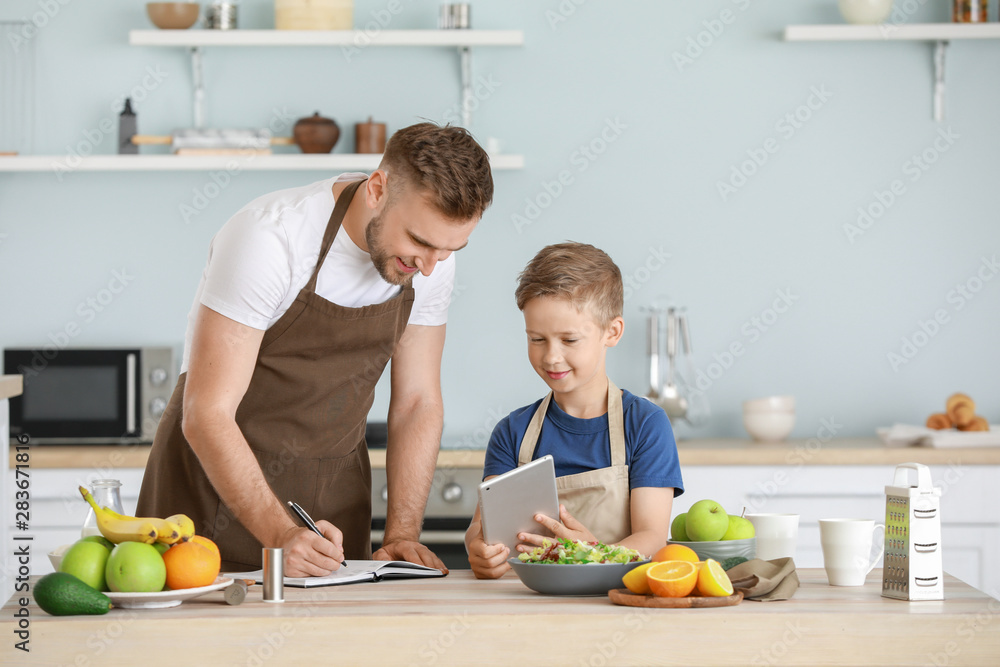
{"x":315,"y":134}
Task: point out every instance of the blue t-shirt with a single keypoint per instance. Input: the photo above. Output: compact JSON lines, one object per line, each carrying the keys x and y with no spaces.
{"x":580,"y":445}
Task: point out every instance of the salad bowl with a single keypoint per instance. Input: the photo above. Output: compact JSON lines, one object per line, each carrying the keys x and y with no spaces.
{"x":575,"y":579}
{"x":575,"y":568}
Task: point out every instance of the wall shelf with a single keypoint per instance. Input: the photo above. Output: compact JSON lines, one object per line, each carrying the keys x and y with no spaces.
{"x":920,"y":32}
{"x":940,"y":34}
{"x":332,"y":163}
{"x":196,"y":40}
{"x":358,"y":38}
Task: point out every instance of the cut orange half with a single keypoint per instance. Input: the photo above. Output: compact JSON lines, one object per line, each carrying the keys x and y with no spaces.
{"x":713,"y":580}
{"x":672,"y":578}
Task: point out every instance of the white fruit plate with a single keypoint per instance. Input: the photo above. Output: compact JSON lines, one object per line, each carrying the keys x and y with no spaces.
{"x":164,"y":599}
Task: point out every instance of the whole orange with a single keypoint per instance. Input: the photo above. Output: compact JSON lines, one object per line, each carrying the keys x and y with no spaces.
{"x":205,"y":542}
{"x":676,"y":552}
{"x":191,"y":564}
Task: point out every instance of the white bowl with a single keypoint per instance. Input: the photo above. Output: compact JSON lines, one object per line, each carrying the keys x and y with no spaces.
{"x":56,"y":555}
{"x":769,"y":426}
{"x":770,"y":404}
{"x":865,"y":12}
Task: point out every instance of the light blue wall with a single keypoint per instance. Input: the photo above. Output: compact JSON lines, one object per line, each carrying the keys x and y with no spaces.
{"x":654,"y":189}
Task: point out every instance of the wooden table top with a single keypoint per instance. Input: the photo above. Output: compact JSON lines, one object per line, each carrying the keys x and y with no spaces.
{"x":458,"y":620}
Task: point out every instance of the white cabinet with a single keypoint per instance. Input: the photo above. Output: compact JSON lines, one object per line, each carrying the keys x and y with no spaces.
{"x":970,"y":518}
{"x":58,"y":511}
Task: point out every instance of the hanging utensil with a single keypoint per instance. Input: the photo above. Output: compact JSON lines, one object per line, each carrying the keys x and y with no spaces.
{"x":698,"y":411}
{"x":671,"y":400}
{"x":653,"y":352}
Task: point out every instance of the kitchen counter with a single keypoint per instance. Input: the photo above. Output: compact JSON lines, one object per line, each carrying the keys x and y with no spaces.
{"x":461,"y":621}
{"x":11,"y":385}
{"x":706,"y":452}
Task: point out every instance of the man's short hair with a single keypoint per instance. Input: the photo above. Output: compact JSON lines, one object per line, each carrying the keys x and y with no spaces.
{"x":578,"y":272}
{"x":446,"y":163}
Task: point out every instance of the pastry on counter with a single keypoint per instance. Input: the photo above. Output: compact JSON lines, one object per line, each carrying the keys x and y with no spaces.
{"x":976,"y":424}
{"x":960,"y":413}
{"x":961,"y":409}
{"x":939,"y":421}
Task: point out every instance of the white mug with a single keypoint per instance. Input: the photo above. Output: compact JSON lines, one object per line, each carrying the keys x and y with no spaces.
{"x":776,"y":534}
{"x":847,"y":548}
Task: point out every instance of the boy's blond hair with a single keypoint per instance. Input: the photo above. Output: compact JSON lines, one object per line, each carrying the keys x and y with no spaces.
{"x":578,"y":272}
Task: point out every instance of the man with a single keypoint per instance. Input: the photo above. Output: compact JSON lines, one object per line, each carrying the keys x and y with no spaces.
{"x":296,"y":316}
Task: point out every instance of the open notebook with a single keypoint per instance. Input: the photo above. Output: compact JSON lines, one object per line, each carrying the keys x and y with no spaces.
{"x":356,"y":571}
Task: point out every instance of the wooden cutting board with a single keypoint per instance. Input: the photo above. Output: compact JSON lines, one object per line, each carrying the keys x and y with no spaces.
{"x":624,"y":596}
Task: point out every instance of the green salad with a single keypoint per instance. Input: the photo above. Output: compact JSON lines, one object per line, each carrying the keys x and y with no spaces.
{"x":575,"y":552}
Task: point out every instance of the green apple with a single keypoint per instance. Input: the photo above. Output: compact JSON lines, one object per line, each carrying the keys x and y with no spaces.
{"x":136,"y":567}
{"x":677,"y":531}
{"x":86,"y":560}
{"x":706,"y":521}
{"x":100,"y":539}
{"x":739,"y":529}
{"x":161,"y":547}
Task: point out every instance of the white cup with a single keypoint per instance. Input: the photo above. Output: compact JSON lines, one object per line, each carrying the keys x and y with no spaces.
{"x":847,"y":549}
{"x":776,"y":534}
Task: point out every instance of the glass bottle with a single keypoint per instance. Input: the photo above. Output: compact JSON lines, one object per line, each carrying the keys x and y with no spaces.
{"x":107,"y":493}
{"x":969,"y":11}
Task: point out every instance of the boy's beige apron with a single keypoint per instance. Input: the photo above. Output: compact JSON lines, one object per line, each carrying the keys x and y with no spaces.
{"x":599,"y":499}
{"x":303,"y":416}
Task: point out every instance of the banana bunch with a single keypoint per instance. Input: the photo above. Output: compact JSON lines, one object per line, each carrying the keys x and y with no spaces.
{"x":120,"y":528}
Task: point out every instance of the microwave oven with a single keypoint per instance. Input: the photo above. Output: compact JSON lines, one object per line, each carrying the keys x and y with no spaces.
{"x":87,"y":396}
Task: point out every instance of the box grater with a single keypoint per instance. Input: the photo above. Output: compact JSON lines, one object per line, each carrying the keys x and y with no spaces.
{"x":912,"y":566}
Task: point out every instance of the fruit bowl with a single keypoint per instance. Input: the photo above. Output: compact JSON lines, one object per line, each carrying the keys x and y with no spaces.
{"x":723,"y":549}
{"x":580,"y":579}
{"x":164,"y":599}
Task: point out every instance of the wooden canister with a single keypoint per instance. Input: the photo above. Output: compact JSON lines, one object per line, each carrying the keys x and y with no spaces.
{"x":369,"y":137}
{"x":314,"y":14}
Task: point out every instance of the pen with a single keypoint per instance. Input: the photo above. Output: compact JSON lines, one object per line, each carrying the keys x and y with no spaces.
{"x":309,"y":523}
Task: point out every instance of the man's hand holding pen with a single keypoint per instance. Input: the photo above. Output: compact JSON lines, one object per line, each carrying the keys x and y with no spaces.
{"x":310,"y":555}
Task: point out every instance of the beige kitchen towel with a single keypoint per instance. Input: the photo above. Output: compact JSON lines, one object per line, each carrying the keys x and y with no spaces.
{"x":765,"y":580}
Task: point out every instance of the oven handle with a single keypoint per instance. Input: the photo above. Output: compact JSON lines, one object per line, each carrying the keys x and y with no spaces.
{"x":429,"y":536}
{"x":130,"y":394}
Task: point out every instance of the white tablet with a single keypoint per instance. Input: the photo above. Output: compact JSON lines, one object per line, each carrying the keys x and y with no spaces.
{"x":509,"y":502}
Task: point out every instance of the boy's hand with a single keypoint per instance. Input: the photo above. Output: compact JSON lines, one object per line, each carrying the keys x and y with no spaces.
{"x":569,"y":528}
{"x":488,"y":561}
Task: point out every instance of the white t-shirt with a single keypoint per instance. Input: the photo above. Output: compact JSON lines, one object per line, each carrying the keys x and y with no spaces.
{"x":264,"y":255}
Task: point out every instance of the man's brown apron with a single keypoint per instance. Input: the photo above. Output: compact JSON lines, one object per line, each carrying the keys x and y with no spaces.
{"x":303,"y":416}
{"x":599,"y":499}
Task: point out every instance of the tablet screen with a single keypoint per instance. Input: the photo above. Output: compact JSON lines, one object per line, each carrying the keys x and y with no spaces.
{"x":509,"y":502}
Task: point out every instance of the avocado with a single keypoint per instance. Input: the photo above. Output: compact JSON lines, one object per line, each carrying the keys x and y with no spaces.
{"x":732,"y":562}
{"x":62,"y":594}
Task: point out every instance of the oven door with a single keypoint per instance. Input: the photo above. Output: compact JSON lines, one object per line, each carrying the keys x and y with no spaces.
{"x":75,"y":395}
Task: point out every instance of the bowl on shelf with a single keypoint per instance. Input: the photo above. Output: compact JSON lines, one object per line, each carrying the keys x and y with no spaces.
{"x":173,"y":15}
{"x":723,"y":549}
{"x":579,"y":579}
{"x":770,"y":404}
{"x":769,"y":419}
{"x":865,"y":12}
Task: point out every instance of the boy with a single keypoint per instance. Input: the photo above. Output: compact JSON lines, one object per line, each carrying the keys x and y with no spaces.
{"x":571,"y":297}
